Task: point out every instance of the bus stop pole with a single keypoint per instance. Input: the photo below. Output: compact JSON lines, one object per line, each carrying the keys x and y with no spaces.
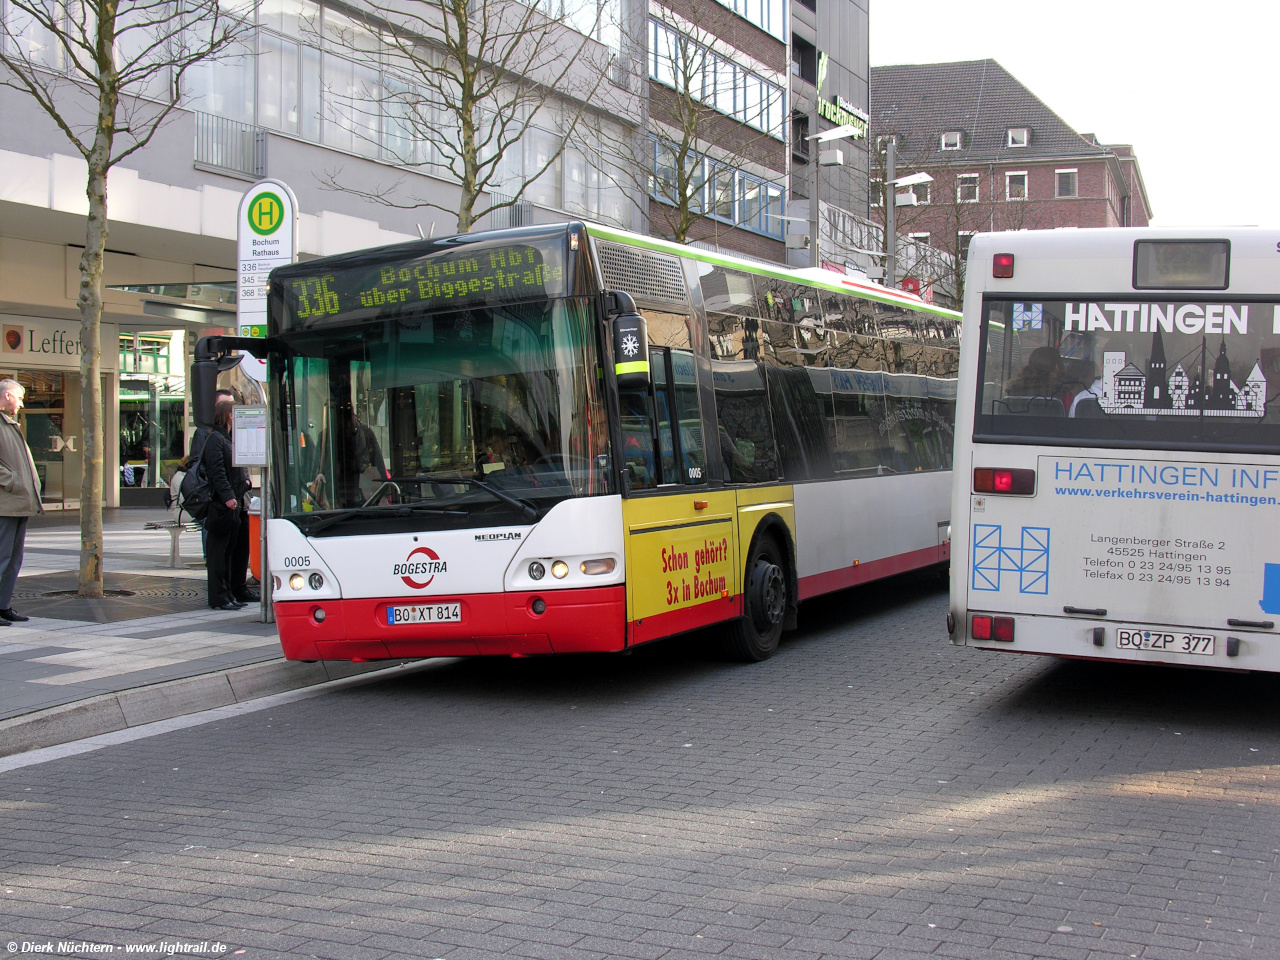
{"x":266,"y":582}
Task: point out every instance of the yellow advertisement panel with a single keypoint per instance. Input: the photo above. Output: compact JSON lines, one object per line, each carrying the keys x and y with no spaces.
{"x":681,"y":552}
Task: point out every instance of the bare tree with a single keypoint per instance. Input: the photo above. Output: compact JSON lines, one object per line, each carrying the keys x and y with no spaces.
{"x":466,"y":85}
{"x":960,"y":201}
{"x":109,"y":74}
{"x":699,"y":135}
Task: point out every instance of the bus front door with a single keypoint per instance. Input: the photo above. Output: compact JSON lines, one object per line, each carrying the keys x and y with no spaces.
{"x":682,"y":553}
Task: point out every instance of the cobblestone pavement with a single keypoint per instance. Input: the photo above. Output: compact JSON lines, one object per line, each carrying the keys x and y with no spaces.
{"x":869,"y":792}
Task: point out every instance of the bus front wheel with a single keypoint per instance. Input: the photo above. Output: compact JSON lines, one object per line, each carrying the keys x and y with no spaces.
{"x":754,"y":636}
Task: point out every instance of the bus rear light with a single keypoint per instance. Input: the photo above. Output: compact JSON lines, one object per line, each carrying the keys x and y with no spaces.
{"x":598,"y":568}
{"x":1002,"y":480}
{"x":1002,"y":266}
{"x":993,"y":628}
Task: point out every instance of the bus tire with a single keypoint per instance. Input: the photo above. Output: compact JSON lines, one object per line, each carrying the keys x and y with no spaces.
{"x":754,"y":636}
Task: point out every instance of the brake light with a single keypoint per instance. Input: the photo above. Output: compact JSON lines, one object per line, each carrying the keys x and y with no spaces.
{"x":1002,"y":266}
{"x":1004,"y":480}
{"x":999,"y":629}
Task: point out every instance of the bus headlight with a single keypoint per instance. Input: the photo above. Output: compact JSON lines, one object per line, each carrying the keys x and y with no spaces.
{"x":598,"y":568}
{"x":537,"y":571}
{"x":316,"y":581}
{"x":296,"y":581}
{"x":559,"y":569}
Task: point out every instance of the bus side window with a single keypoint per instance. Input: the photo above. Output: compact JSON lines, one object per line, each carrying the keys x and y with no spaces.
{"x":742,"y":416}
{"x":663,"y":407}
{"x":684,"y":389}
{"x":662,"y":430}
{"x":640,"y":464}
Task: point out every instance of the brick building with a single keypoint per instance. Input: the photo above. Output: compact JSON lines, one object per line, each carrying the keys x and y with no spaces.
{"x":1000,"y":158}
{"x":717,"y":95}
{"x":742,"y":76}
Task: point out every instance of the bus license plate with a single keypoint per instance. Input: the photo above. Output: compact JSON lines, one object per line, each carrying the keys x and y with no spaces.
{"x":1194,"y":643}
{"x":425,"y":613}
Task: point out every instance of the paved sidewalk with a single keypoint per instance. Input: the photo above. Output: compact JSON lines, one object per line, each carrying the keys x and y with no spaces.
{"x":80,"y":668}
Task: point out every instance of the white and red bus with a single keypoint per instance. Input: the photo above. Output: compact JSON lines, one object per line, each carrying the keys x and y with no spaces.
{"x":570,"y":438}
{"x":1118,"y":447}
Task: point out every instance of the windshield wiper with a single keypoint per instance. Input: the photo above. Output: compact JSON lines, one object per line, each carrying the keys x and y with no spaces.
{"x":325,"y":521}
{"x":526,"y":508}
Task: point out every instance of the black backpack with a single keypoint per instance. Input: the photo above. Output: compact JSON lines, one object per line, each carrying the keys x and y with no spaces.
{"x":195,"y":493}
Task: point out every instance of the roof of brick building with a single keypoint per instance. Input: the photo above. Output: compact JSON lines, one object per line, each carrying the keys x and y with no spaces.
{"x":980,"y":100}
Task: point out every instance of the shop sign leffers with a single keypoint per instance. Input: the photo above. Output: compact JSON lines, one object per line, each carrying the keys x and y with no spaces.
{"x":267,"y":237}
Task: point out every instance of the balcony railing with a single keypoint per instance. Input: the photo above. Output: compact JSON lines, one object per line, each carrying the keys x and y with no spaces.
{"x":517,"y":214}
{"x":230,"y":146}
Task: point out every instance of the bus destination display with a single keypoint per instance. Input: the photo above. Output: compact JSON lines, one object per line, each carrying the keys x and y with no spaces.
{"x":467,"y":277}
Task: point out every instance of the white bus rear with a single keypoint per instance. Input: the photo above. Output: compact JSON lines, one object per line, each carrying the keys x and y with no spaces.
{"x":1117,"y":463}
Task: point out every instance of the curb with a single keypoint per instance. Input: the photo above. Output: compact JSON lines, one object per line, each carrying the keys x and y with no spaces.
{"x":110,"y":712}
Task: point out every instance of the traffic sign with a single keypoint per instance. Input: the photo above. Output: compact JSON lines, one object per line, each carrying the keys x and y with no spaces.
{"x":267,"y":237}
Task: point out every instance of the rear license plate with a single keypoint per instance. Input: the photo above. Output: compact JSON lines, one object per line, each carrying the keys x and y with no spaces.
{"x":425,"y":613}
{"x":1194,"y":643}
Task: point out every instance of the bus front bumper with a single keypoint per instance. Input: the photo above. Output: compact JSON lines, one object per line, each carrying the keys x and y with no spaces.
{"x":492,"y":624}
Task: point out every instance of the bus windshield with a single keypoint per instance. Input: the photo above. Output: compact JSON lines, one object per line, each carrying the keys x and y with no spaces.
{"x":465,"y":418}
{"x":1172,"y":374}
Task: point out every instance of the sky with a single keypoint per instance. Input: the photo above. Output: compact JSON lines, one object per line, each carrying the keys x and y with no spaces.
{"x":1194,"y":87}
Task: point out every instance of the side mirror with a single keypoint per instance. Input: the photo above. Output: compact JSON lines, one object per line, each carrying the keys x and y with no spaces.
{"x":204,"y":382}
{"x":630,"y":345}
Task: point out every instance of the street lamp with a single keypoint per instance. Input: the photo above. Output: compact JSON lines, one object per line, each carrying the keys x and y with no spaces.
{"x":891,"y":185}
{"x":834,"y":158}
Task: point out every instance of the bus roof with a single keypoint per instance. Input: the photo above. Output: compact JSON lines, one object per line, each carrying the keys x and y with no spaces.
{"x":1070,"y":260}
{"x":823,"y":279}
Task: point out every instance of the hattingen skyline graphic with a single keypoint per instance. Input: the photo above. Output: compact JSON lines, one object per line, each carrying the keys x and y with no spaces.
{"x":1127,"y":390}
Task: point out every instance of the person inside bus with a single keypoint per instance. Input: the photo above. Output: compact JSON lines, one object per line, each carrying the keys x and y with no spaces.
{"x":1041,"y":380}
{"x":357,"y":457}
{"x":1087,"y":399}
{"x":497,"y":453}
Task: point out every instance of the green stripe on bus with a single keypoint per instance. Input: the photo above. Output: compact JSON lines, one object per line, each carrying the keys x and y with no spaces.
{"x":635,"y":366}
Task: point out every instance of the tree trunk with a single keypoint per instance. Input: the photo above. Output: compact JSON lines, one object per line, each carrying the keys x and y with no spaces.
{"x":90,"y":302}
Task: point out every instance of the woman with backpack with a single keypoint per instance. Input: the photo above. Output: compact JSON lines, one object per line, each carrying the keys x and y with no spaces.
{"x":227,"y":524}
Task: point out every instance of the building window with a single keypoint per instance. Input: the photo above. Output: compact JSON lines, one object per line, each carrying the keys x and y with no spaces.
{"x":920,"y":238}
{"x":967,"y":188}
{"x":963,"y":239}
{"x":1068,"y":184}
{"x":921,"y":192}
{"x":1018,"y":137}
{"x":876,"y":192}
{"x":692,"y":69}
{"x":1015,"y":186}
{"x":769,"y":15}
{"x":804,"y":60}
{"x":952,"y":140}
{"x":722,"y":193}
{"x":800,"y":141}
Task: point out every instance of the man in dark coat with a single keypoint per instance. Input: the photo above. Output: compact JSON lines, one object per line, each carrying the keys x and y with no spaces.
{"x":19,"y":496}
{"x":227,"y":549}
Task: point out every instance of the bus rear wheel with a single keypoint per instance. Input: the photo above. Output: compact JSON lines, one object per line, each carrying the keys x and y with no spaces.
{"x":754,"y":636}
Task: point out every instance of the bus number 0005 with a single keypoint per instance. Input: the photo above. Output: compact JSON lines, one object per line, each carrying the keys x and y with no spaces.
{"x":297,"y":561}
